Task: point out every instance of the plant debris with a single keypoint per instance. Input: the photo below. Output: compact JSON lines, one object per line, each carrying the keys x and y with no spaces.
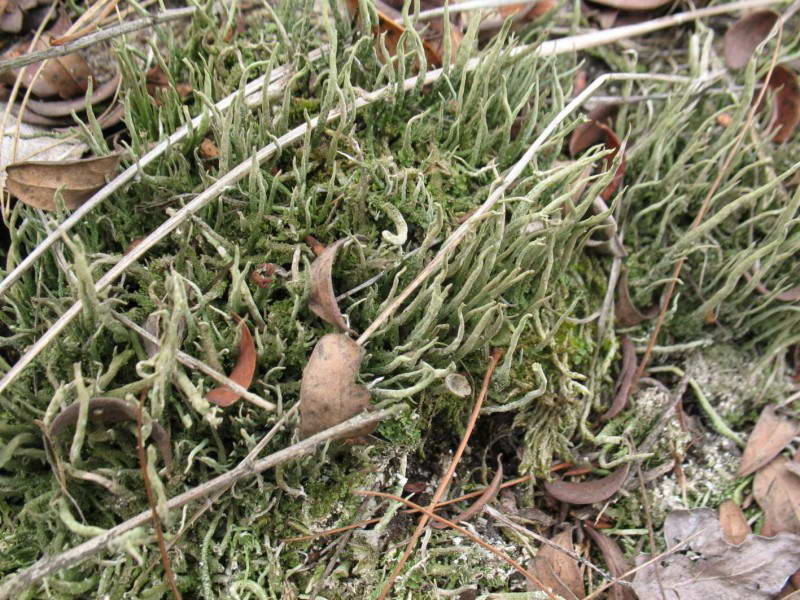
{"x":485,"y":498}
{"x":786,"y":107}
{"x":744,"y":36}
{"x":616,"y":562}
{"x":626,"y":376}
{"x":735,"y":527}
{"x":589,"y":491}
{"x":323,"y":299}
{"x":771,"y":434}
{"x":592,"y":133}
{"x":557,"y":570}
{"x":243,"y":371}
{"x":701,"y":565}
{"x":328,"y":392}
{"x":776,"y":488}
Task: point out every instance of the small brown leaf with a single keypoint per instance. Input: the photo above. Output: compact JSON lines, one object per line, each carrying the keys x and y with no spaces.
{"x":592,"y":133}
{"x":35,"y":182}
{"x":323,"y":299}
{"x":626,"y":376}
{"x":328,"y":392}
{"x":487,"y":496}
{"x":243,"y":371}
{"x":790,"y":295}
{"x":777,"y":491}
{"x":526,"y":11}
{"x":627,"y":314}
{"x":616,"y":562}
{"x":633,"y":5}
{"x":786,"y":106}
{"x":157,"y":81}
{"x":112,"y":410}
{"x":770,"y":435}
{"x":735,"y":527}
{"x":590,"y":491}
{"x":208,"y":149}
{"x":744,"y":36}
{"x":558,"y":570}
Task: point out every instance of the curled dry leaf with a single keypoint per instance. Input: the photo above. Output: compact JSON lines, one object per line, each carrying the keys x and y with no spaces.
{"x":744,"y":36}
{"x":328,"y":392}
{"x":770,"y":435}
{"x":633,"y":5}
{"x":243,"y":371}
{"x":627,"y":313}
{"x":592,"y":133}
{"x":625,"y":379}
{"x":735,"y":527}
{"x":485,"y":498}
{"x":558,"y":570}
{"x":323,"y":299}
{"x":777,"y":490}
{"x":590,"y":491}
{"x":112,"y":410}
{"x":786,"y":105}
{"x":706,"y":567}
{"x":616,"y":562}
{"x":64,"y":108}
{"x":36,"y":182}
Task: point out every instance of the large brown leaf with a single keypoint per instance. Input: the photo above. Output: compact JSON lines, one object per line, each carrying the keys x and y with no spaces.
{"x":328,"y":392}
{"x":744,"y":36}
{"x":35,"y":182}
{"x":616,"y":562}
{"x":706,"y":567}
{"x":323,"y":299}
{"x":777,"y":490}
{"x":557,"y":570}
{"x":590,"y":491}
{"x":112,"y":410}
{"x":242,"y":372}
{"x":770,"y":435}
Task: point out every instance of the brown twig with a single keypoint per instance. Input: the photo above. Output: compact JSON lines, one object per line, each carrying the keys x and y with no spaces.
{"x":673,"y":282}
{"x":151,"y":500}
{"x":493,"y":360}
{"x":428,"y":514}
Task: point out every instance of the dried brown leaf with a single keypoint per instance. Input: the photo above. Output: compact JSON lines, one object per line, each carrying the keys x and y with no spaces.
{"x":626,"y":376}
{"x":112,"y":410}
{"x":786,"y":105}
{"x":627,"y":314}
{"x":558,"y":570}
{"x":790,"y":295}
{"x":242,"y":372}
{"x":770,"y":435}
{"x":157,"y":81}
{"x":526,"y":11}
{"x":706,"y":567}
{"x":487,"y":496}
{"x":35,"y":182}
{"x":777,"y":490}
{"x":590,"y":491}
{"x":323,"y":299}
{"x":328,"y":392}
{"x":616,"y":562}
{"x":64,"y":108}
{"x":735,"y":527}
{"x":633,"y":5}
{"x":744,"y":36}
{"x":208,"y":149}
{"x":592,"y":133}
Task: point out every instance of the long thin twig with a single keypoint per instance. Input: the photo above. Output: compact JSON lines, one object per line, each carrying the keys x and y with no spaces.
{"x":552,"y":48}
{"x":96,"y":37}
{"x":451,"y":469}
{"x":51,"y":564}
{"x":429,"y":514}
{"x":151,"y":500}
{"x":698,"y":219}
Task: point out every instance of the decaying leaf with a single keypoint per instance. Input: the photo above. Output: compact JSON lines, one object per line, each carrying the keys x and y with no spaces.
{"x":627,"y":314}
{"x":735,"y":527}
{"x":786,"y":104}
{"x":527,"y":11}
{"x":157,"y":81}
{"x":625,"y":379}
{"x":243,"y":371}
{"x":616,"y":562}
{"x":706,"y":567}
{"x":112,"y":410}
{"x":633,"y":5}
{"x":592,"y":133}
{"x":744,"y":36}
{"x":64,"y":108}
{"x":590,"y":491}
{"x":487,"y":496}
{"x":35,"y":182}
{"x":323,"y":299}
{"x":558,"y":570}
{"x":777,"y":490}
{"x":328,"y":392}
{"x":770,"y":435}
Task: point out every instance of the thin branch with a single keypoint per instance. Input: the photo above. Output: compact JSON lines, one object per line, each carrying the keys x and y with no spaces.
{"x":96,"y":37}
{"x":51,"y":564}
{"x":451,"y":469}
{"x":151,"y":500}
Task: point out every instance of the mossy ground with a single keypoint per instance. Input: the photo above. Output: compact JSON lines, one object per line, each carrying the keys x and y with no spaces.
{"x":525,"y":280}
